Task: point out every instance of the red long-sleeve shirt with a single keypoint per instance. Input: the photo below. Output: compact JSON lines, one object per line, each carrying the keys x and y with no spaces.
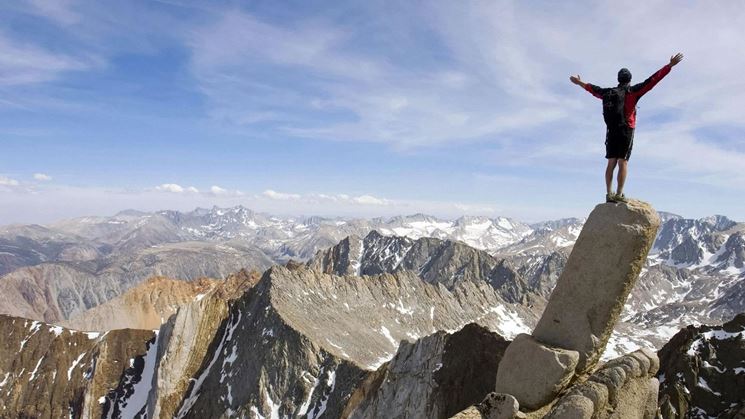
{"x":634,"y":94}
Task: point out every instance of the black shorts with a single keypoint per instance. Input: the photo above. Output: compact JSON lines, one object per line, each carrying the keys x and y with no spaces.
{"x":618,"y":143}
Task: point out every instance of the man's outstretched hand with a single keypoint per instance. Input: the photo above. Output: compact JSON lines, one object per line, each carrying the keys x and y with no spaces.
{"x":576,"y":80}
{"x":675,"y":59}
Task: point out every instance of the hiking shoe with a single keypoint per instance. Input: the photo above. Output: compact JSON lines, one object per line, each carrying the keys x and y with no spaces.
{"x":620,"y":197}
{"x":610,"y":197}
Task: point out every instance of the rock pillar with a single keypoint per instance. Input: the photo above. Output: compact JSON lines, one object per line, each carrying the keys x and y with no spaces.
{"x":585,"y":304}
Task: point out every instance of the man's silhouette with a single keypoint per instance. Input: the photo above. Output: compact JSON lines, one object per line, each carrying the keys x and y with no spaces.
{"x":619,"y":111}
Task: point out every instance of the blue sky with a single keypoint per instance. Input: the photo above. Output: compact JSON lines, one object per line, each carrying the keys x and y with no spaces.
{"x":364,"y":108}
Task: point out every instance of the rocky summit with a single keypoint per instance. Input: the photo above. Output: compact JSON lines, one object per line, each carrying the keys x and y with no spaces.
{"x":601,"y":271}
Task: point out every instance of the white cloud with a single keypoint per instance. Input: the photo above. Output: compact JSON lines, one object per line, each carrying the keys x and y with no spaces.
{"x":170,"y":187}
{"x":13,"y":186}
{"x":279,"y":195}
{"x":216,"y":190}
{"x":42,"y":177}
{"x":369,"y":200}
{"x":6,"y":181}
{"x":213,"y":191}
{"x":366,"y":200}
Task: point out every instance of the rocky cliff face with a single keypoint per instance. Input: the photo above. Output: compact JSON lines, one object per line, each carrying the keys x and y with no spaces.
{"x":145,"y":306}
{"x":300,"y":342}
{"x":689,"y":242}
{"x":50,"y":371}
{"x":623,"y":388}
{"x":186,"y":346}
{"x":540,"y":271}
{"x":153,"y":302}
{"x":436,"y":261}
{"x":702,"y":372}
{"x":433,"y":377}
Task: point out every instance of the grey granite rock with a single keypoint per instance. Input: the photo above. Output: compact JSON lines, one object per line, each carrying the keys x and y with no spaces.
{"x":499,"y":406}
{"x":603,"y":267}
{"x":574,"y":406}
{"x":620,"y":389}
{"x":433,"y":377}
{"x":533,"y":372}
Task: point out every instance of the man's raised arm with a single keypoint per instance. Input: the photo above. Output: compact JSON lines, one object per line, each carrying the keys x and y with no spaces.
{"x":594,"y":90}
{"x":647,"y":85}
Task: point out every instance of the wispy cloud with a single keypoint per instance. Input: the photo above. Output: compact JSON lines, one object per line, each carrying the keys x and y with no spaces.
{"x":42,"y":177}
{"x":9,"y":185}
{"x":325,"y":198}
{"x":279,"y":196}
{"x":175,"y":188}
{"x":369,"y":200}
{"x":212,"y":191}
{"x":6,"y":181}
{"x":24,"y":63}
{"x":60,"y":11}
{"x":503,"y":74}
{"x":342,"y":93}
{"x":218,"y":191}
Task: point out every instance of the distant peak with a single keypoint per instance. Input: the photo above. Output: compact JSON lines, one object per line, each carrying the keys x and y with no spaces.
{"x":130,"y":213}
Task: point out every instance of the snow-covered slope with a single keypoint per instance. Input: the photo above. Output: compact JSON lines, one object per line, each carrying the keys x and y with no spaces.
{"x":702,"y":372}
{"x":48,"y":371}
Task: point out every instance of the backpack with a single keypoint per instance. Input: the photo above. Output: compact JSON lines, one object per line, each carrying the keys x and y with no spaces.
{"x":613,"y":106}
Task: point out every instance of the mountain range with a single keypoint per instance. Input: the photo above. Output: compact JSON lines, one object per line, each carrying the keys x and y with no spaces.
{"x":362,"y":328}
{"x":57,"y":272}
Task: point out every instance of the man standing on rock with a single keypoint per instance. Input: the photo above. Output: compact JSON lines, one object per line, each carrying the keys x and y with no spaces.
{"x":619,"y":112}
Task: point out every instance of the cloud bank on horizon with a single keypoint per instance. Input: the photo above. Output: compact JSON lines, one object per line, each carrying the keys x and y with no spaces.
{"x":366,"y":108}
